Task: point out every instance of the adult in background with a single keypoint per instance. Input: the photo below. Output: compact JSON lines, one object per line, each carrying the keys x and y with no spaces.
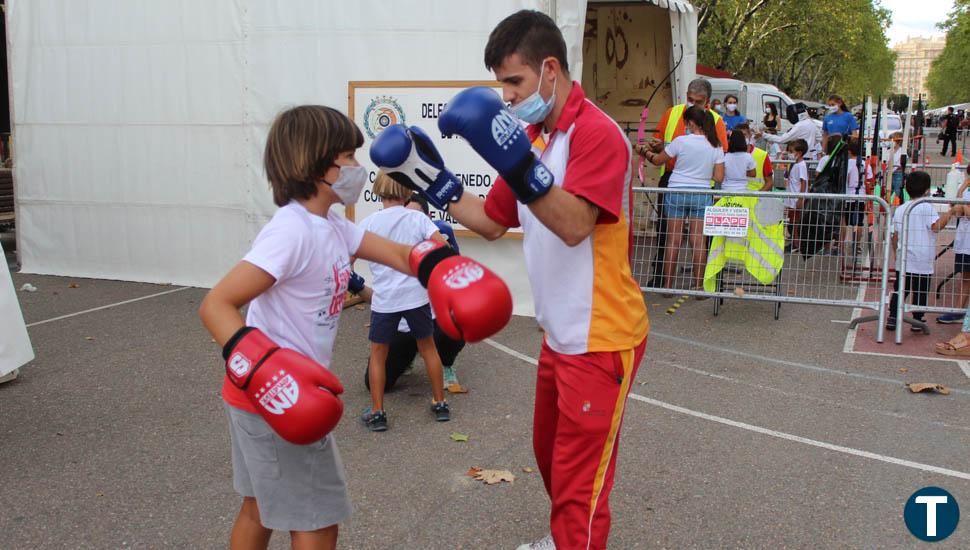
{"x":950,"y":123}
{"x":699,"y":158}
{"x":732,"y":117}
{"x":771,"y":119}
{"x":573,"y":204}
{"x":670,"y":127}
{"x":804,"y":128}
{"x":838,"y":120}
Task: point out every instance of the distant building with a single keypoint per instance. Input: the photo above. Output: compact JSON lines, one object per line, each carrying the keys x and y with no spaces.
{"x":913,"y":60}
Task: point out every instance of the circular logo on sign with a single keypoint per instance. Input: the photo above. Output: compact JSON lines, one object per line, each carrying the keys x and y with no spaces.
{"x":931,"y":514}
{"x":464,"y":275}
{"x":381,"y":112}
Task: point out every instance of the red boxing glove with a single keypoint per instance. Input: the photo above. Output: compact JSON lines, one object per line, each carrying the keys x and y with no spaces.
{"x":470,"y":302}
{"x":294,"y":394}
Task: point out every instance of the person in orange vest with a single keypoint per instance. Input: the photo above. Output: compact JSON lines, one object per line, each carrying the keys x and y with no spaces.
{"x":670,"y":127}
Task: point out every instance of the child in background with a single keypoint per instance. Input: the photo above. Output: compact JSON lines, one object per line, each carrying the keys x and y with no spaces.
{"x":447,"y":348}
{"x":855,"y":211}
{"x":797,"y":182}
{"x":961,"y":251}
{"x":739,"y":165}
{"x":397,"y":296}
{"x":898,"y":151}
{"x":924,"y":224}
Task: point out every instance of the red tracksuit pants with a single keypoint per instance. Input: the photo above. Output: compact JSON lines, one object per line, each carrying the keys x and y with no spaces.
{"x":578,"y":414}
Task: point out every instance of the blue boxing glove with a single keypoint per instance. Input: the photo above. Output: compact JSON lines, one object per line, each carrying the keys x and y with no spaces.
{"x":411,"y":159}
{"x":479,"y":115}
{"x":356,"y":283}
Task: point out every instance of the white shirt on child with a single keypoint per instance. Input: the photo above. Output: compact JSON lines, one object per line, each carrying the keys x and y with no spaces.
{"x":920,"y":239}
{"x":394,"y":291}
{"x":797,"y":173}
{"x":696,"y":158}
{"x":736,"y":166}
{"x":961,"y":243}
{"x":309,"y":256}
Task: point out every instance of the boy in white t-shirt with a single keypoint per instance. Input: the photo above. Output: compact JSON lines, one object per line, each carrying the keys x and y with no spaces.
{"x":924,"y":224}
{"x":797,"y":182}
{"x":961,"y":251}
{"x":854,"y":215}
{"x":397,"y":296}
{"x":294,"y":279}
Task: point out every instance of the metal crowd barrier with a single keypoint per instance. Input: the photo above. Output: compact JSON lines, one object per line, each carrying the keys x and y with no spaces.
{"x":943,"y":290}
{"x":825,"y":262}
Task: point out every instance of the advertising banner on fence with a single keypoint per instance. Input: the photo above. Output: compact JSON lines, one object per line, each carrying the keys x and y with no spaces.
{"x":725,"y":221}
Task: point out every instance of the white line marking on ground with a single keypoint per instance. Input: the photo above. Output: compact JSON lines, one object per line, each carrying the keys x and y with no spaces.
{"x":807,"y":397}
{"x":805,"y":440}
{"x":116,"y":304}
{"x":840,"y":321}
{"x":712,"y":347}
{"x":764,"y":431}
{"x":965,"y":367}
{"x":856,"y":312}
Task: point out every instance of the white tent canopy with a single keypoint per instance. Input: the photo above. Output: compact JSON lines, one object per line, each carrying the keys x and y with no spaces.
{"x":139,"y":126}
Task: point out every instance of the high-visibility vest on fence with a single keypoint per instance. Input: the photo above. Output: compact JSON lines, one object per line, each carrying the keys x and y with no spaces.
{"x":759,"y":167}
{"x":676,"y":115}
{"x":762,"y":251}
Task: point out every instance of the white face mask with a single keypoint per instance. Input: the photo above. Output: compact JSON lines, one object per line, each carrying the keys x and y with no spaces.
{"x":350,"y":184}
{"x":731,"y":107}
{"x":833,"y":109}
{"x":767,"y":111}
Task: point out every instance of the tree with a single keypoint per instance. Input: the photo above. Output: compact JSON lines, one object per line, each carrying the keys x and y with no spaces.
{"x":795,"y":45}
{"x":946,"y":81}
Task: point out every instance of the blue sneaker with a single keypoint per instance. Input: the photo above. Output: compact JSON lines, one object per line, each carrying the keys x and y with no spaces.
{"x":950,"y":318}
{"x":376,"y":421}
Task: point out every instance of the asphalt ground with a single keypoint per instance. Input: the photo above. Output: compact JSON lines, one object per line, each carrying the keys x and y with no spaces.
{"x":743,"y":432}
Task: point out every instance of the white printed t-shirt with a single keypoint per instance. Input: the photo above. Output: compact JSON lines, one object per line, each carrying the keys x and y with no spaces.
{"x":394,"y":291}
{"x":696,"y":158}
{"x":920,"y":239}
{"x":961,"y":243}
{"x":736,"y":166}
{"x":797,"y":172}
{"x":309,"y":256}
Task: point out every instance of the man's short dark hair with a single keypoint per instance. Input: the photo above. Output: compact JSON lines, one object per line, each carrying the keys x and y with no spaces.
{"x":917,"y":184}
{"x":531,"y":34}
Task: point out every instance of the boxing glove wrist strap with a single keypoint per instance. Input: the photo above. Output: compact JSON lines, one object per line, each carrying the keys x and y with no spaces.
{"x":242,"y":364}
{"x":529,"y":180}
{"x":431,"y":260}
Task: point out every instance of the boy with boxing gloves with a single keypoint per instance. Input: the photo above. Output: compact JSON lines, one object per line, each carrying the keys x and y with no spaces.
{"x":566,"y":180}
{"x":280,"y":398}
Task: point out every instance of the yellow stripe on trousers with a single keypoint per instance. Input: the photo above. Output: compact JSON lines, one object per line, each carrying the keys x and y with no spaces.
{"x":626,"y":358}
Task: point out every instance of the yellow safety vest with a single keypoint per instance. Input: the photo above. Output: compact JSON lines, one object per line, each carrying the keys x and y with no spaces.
{"x":762,"y":252}
{"x":759,"y":167}
{"x":677,"y":113}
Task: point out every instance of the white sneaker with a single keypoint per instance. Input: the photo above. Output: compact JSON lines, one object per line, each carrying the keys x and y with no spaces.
{"x":545,"y":543}
{"x":12,"y":375}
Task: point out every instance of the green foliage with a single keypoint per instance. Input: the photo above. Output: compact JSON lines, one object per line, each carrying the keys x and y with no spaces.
{"x":947,"y":79}
{"x":808,"y":49}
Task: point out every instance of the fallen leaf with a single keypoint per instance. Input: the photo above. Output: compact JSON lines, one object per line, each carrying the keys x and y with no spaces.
{"x":366,"y":325}
{"x":738,"y":291}
{"x":904,"y":369}
{"x":456,"y":436}
{"x":491,"y":477}
{"x":473,"y":471}
{"x":360,"y":307}
{"x":927,"y":386}
{"x":99,"y":493}
{"x":89,"y":337}
{"x":73,"y":285}
{"x":457,"y":388}
{"x":527,"y":470}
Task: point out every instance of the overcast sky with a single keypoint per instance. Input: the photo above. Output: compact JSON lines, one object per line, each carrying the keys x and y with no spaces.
{"x":916,"y":17}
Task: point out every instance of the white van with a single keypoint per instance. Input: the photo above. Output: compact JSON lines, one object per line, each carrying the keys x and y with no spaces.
{"x":753,"y":98}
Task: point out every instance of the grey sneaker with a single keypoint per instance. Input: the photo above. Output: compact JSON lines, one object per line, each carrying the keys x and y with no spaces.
{"x":10,"y":376}
{"x":451,"y":379}
{"x":545,"y":543}
{"x":376,"y":421}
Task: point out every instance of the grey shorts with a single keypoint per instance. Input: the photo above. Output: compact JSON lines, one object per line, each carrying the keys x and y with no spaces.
{"x":297,"y":487}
